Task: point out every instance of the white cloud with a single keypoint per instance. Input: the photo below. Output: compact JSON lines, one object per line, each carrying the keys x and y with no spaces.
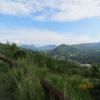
{"x":43,"y":37}
{"x":58,"y":10}
{"x":14,"y":8}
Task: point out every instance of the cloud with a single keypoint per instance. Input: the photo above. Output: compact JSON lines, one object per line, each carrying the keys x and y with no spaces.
{"x":56,"y":10}
{"x":43,"y":37}
{"x":14,"y":8}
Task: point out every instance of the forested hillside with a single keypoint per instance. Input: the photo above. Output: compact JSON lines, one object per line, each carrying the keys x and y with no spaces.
{"x":22,"y":80}
{"x":82,"y":53}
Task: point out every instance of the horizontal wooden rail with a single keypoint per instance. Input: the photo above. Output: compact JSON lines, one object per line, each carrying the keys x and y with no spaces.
{"x":51,"y":92}
{"x":6,"y":60}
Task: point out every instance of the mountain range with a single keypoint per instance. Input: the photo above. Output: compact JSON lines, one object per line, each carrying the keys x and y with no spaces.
{"x":41,"y":48}
{"x":84,"y":53}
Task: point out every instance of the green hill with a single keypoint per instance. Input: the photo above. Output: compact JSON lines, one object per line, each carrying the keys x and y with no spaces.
{"x":83,"y":53}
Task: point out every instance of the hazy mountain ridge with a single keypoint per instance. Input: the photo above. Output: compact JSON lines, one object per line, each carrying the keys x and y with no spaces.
{"x":84,"y":53}
{"x":41,"y":48}
{"x":89,"y":46}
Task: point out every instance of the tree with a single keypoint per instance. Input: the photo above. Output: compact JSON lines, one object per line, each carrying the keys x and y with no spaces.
{"x":19,"y":54}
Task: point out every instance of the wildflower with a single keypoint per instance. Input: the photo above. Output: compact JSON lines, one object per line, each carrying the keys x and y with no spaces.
{"x":86,"y":86}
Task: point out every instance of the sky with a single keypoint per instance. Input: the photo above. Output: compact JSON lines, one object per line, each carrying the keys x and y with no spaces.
{"x":43,"y":22}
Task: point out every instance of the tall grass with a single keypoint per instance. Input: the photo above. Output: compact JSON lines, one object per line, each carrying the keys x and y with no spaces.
{"x":26,"y":82}
{"x":22,"y":82}
{"x":70,"y":86}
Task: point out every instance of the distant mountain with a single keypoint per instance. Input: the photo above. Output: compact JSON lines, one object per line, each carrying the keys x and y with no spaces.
{"x":89,"y":46}
{"x":42,"y":48}
{"x":29,"y":47}
{"x":47,"y":47}
{"x":65,"y":51}
{"x":85,"y":53}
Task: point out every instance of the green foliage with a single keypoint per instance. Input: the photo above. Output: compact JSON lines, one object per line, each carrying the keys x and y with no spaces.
{"x":22,"y":82}
{"x":19,"y":54}
{"x":95,"y":91}
{"x":84,"y":53}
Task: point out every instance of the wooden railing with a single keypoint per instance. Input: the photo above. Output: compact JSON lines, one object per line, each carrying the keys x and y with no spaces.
{"x":6,"y":60}
{"x":52,"y":93}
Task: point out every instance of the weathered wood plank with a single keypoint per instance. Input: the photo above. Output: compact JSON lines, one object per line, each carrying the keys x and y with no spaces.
{"x":6,"y":60}
{"x":51,"y":92}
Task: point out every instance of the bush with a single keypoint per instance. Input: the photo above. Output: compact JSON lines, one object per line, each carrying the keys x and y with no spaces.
{"x":95,"y":91}
{"x":19,"y":54}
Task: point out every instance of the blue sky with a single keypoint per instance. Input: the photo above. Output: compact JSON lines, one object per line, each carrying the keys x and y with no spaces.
{"x":49,"y":21}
